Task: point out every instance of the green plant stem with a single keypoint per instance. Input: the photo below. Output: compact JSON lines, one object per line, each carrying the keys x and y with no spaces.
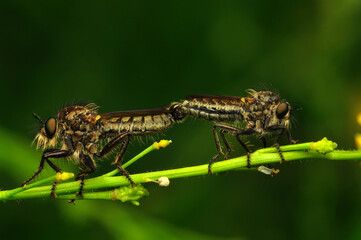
{"x":263,"y":156}
{"x":106,"y":195}
{"x":122,"y":194}
{"x":130,"y":162}
{"x":9,"y":193}
{"x":6,"y":194}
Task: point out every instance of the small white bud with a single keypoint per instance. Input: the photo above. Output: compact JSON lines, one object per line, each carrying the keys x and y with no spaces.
{"x":268,"y":171}
{"x":163,"y":182}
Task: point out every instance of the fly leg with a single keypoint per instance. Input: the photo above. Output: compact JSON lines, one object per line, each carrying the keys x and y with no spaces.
{"x":263,"y":140}
{"x":119,"y":158}
{"x":246,"y":148}
{"x":51,"y":153}
{"x":52,"y":165}
{"x":229,"y":149}
{"x":48,"y":153}
{"x":282,"y":129}
{"x":238,"y":132}
{"x":87,"y":168}
{"x":278,"y":146}
{"x":225,"y":128}
{"x":123,"y":140}
{"x":219,"y":149}
{"x":218,"y":146}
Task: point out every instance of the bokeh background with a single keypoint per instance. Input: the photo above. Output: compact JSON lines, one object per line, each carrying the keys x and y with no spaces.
{"x":129,"y":55}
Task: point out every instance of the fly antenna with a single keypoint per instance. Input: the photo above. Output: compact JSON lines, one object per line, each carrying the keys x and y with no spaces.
{"x":39,"y":119}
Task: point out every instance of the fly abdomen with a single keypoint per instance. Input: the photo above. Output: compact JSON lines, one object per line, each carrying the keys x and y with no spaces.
{"x":138,"y":124}
{"x":212,"y":108}
{"x":150,"y":124}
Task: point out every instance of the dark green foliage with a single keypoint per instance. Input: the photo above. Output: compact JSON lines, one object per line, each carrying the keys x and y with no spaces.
{"x":143,"y":54}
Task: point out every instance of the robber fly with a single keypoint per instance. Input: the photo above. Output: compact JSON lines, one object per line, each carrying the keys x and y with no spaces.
{"x":80,"y":133}
{"x":262,"y":112}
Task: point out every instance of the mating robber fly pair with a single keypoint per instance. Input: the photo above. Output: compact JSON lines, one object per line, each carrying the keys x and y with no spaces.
{"x":80,"y":133}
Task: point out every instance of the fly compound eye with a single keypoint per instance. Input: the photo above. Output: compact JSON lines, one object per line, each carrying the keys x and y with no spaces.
{"x":50,"y":127}
{"x":282,"y":110}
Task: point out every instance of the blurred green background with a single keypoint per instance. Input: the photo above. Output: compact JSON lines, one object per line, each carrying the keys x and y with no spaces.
{"x":130,"y":55}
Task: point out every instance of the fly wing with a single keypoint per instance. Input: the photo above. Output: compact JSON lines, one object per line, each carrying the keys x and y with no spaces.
{"x":223,"y":100}
{"x":133,"y":113}
{"x":196,"y":96}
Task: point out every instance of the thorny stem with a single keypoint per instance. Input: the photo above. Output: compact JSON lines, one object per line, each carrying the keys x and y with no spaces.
{"x":323,"y":149}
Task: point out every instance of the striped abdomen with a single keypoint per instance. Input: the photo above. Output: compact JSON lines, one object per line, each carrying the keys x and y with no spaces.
{"x":214,"y":108}
{"x":136,"y":123}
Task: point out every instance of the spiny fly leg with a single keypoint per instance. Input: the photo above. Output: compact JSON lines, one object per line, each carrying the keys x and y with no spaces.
{"x":263,"y":140}
{"x":41,"y":166}
{"x":122,"y":140}
{"x":290,"y":140}
{"x":52,"y":193}
{"x":218,"y":146}
{"x":281,"y":130}
{"x":81,"y":185}
{"x":52,"y":165}
{"x":248,"y":160}
{"x":88,"y":167}
{"x":219,"y":149}
{"x":225,"y":128}
{"x":229,"y":149}
{"x":280,"y":153}
{"x":278,"y":145}
{"x":49,"y":153}
{"x":248,"y":151}
{"x":211,"y":163}
{"x":119,"y":158}
{"x":81,"y":176}
{"x":125,"y":174}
